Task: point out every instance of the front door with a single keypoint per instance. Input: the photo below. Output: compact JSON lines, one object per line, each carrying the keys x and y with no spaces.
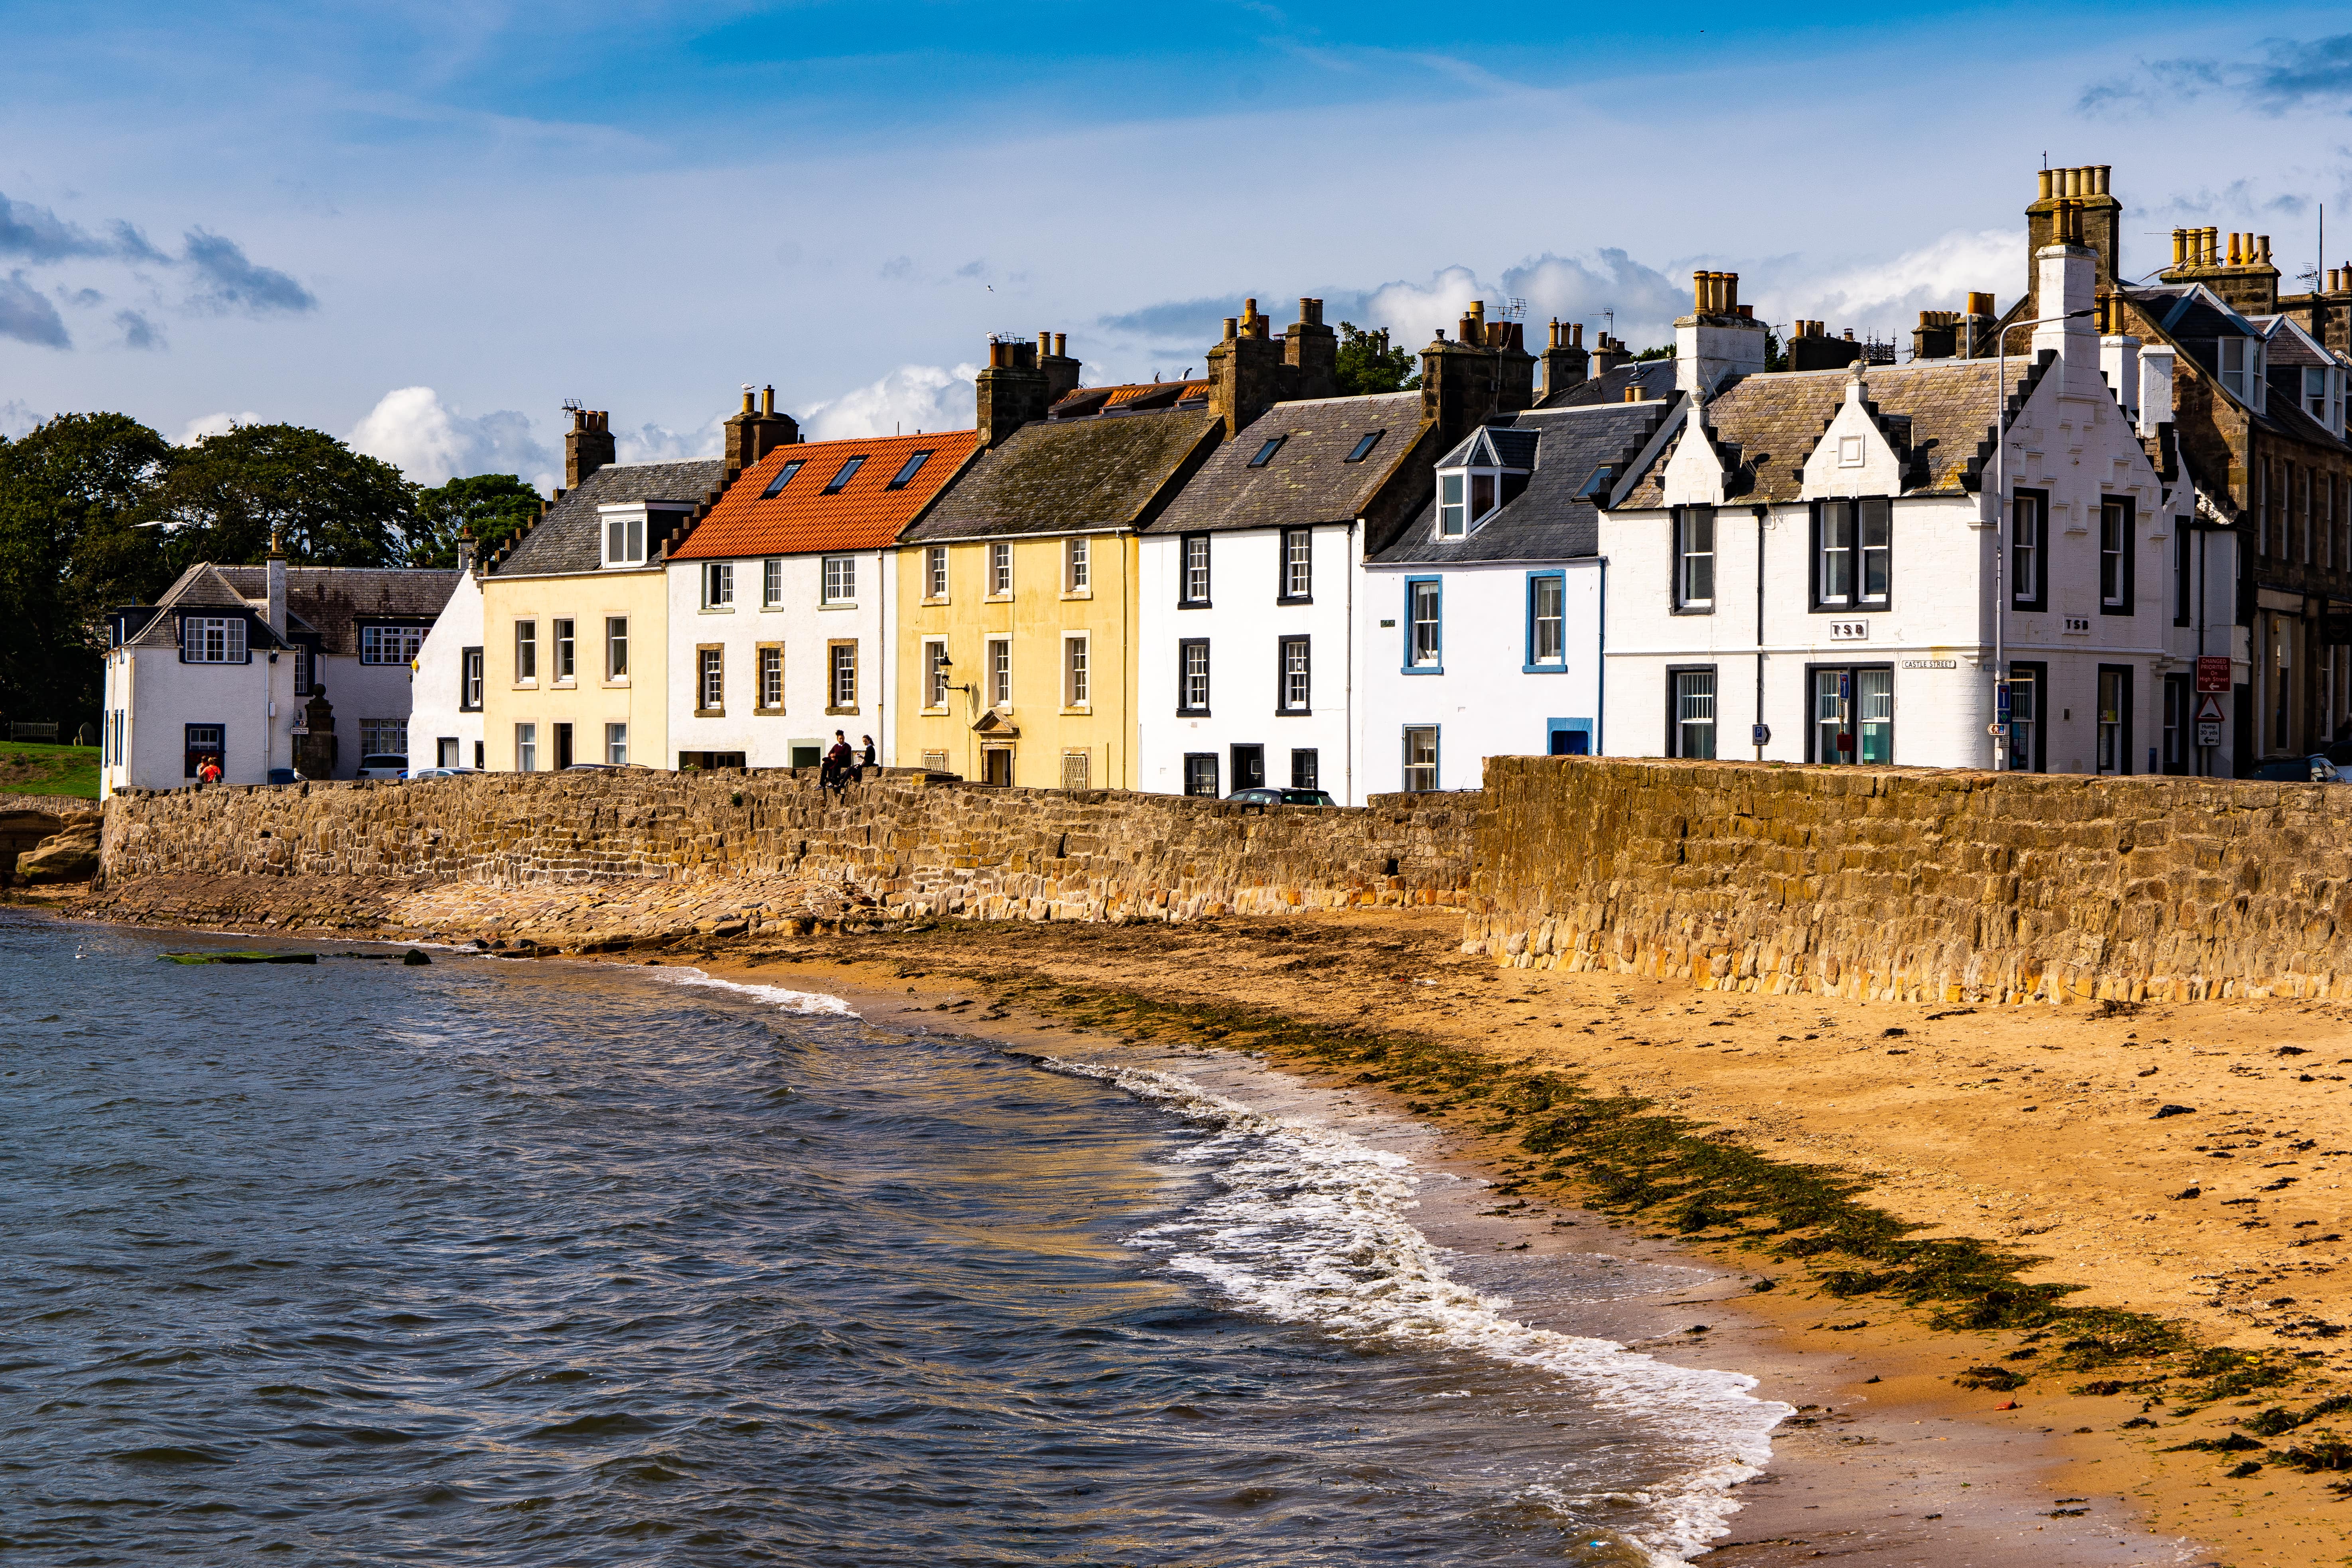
{"x":1249,"y":767}
{"x":997,"y":766}
{"x":563,"y":747}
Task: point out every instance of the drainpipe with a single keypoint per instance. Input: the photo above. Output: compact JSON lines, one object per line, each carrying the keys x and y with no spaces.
{"x":1601,"y":667}
{"x":1348,"y":686}
{"x":1760,"y":512}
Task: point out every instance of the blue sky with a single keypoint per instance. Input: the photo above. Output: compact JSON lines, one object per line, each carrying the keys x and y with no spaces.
{"x":423,"y":225}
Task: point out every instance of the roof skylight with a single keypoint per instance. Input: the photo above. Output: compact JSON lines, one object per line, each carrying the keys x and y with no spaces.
{"x":914,"y":466}
{"x":783,"y":477}
{"x":840,"y":481}
{"x":1266,"y":453}
{"x":1364,"y":447}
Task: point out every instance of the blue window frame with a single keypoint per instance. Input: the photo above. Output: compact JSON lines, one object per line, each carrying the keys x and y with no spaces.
{"x":1567,"y":737}
{"x":1547,"y":627}
{"x":1424,"y":626}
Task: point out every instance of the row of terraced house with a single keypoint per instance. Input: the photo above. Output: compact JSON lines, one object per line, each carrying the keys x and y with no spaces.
{"x":2135,"y":500}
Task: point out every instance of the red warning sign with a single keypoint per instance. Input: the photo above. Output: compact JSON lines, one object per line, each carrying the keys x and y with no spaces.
{"x":2208,"y":709}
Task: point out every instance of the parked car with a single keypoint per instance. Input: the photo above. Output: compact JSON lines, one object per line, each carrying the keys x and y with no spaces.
{"x":2313,"y":769}
{"x":382,"y":765}
{"x":1269,"y":795}
{"x":442,"y":773}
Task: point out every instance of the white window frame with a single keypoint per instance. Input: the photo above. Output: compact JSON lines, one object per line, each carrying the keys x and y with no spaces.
{"x":527,"y":748}
{"x":841,"y":676}
{"x":935,"y":678}
{"x":1298,"y":563}
{"x":1425,"y":651}
{"x":526,"y":652}
{"x":1421,"y":742}
{"x":997,"y":671}
{"x":624,"y":531}
{"x":1193,"y":566}
{"x":771,"y":584}
{"x":616,"y":647}
{"x":616,"y":744}
{"x":213,"y":639}
{"x":1078,"y":566}
{"x":1000,"y":571}
{"x":1695,"y":557}
{"x":1295,"y":691}
{"x":719,"y":584}
{"x":838,"y":585}
{"x":710,"y":680}
{"x":935,"y":572}
{"x":768,"y":668}
{"x":390,"y":645}
{"x":1077,"y":672}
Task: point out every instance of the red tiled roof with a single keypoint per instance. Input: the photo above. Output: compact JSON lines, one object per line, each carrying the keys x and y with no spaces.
{"x":1119,"y":395}
{"x":865,"y":514}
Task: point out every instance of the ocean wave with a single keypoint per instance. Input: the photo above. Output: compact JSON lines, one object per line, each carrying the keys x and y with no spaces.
{"x":1308,"y":1225}
{"x":806,"y":1003}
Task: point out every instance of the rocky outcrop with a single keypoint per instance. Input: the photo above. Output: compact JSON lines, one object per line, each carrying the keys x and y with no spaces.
{"x":45,"y":845}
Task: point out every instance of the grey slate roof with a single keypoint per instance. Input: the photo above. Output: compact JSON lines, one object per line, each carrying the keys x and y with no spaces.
{"x":1937,"y":413}
{"x":2196,"y":322}
{"x":1309,"y":478}
{"x":1655,"y":377}
{"x":569,"y":538}
{"x":1550,"y":520}
{"x":1055,"y":475}
{"x":328,"y":600}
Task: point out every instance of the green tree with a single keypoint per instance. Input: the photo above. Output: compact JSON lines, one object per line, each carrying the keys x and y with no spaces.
{"x":223,"y":499}
{"x":1367,"y":364}
{"x":492,"y":508}
{"x":73,"y":491}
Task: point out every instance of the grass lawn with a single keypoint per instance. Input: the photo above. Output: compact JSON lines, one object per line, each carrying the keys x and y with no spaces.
{"x":29,"y":769}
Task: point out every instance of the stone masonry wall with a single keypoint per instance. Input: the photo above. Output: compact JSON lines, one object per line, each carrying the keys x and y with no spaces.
{"x":1916,"y":884}
{"x":913,"y":846}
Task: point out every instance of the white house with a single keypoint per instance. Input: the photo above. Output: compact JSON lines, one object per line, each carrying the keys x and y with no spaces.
{"x":1830,"y":566}
{"x":225,"y":663}
{"x":445,"y":706}
{"x":1247,"y":590}
{"x":1478,"y":630}
{"x":781,"y":601}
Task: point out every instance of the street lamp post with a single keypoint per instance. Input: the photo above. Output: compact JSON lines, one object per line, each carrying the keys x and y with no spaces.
{"x":2001,"y":529}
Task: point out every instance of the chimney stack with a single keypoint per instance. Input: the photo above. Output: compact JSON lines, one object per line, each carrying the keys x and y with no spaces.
{"x":2068,"y":282}
{"x":1245,"y":371}
{"x":276,"y":610}
{"x":1565,"y":361}
{"x":1060,"y":370}
{"x":1717,"y":342}
{"x":1310,"y":351}
{"x":2095,"y":220}
{"x":2155,"y":403}
{"x":1011,"y":390}
{"x":587,"y":446}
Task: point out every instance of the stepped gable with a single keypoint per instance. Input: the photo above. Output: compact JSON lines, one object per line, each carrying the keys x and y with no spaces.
{"x":1554,"y":519}
{"x":807,"y":515}
{"x":1053,"y":475}
{"x":569,"y":538}
{"x":1309,"y":478}
{"x":1934,"y":413}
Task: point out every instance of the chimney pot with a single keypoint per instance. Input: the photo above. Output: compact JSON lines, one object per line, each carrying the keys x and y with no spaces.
{"x":2264,"y":241}
{"x":2233,"y":248}
{"x":1061,"y":345}
{"x":767,"y":400}
{"x":1231,"y":324}
{"x":2042,"y":192}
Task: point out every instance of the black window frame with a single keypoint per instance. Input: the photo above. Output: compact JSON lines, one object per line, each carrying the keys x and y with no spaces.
{"x":1282,"y":594}
{"x":1812,"y":721}
{"x":2124,"y":741}
{"x":1673,"y":727}
{"x":473,"y":677}
{"x":1195,"y":763}
{"x":1242,"y":751}
{"x":190,"y":751}
{"x":1307,"y":759}
{"x":2038,"y":601}
{"x":2129,"y":563}
{"x":1183,"y":649}
{"x":1678,"y":520}
{"x":783,"y":477}
{"x":2184,"y":561}
{"x":1265,"y":454}
{"x":1857,"y":604}
{"x":2179,"y":696}
{"x":1185,"y":543}
{"x":1282,"y":646}
{"x":2038,"y":671}
{"x":1364,"y":445}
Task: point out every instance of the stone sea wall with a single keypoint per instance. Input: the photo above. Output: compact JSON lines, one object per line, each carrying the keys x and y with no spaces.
{"x":903,"y":844}
{"x":1916,"y":884}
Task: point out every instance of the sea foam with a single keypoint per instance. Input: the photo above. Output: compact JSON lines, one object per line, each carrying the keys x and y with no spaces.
{"x":1308,"y":1225}
{"x":807,"y":1003}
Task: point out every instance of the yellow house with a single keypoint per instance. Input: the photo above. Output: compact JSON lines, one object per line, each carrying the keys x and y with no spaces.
{"x":575,"y":617}
{"x":1017,"y":602}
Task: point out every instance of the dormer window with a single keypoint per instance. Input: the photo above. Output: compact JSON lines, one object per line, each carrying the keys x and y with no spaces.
{"x":1470,"y":494}
{"x":2323,"y":396}
{"x":1852,"y":555}
{"x":624,"y":537}
{"x":2242,"y":369}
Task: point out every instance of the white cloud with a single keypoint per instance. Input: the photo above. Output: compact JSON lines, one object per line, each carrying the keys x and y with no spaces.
{"x":432,"y":443}
{"x":1412,"y":313}
{"x":1884,"y":299}
{"x":651,"y":443}
{"x":204,"y":425}
{"x":17,"y":418}
{"x":912,"y":397}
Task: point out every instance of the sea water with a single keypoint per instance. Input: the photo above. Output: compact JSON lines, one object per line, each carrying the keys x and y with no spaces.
{"x":532,"y":1263}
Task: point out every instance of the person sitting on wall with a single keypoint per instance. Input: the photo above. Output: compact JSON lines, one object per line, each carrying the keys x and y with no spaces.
{"x":208,"y":771}
{"x":838,"y":762}
{"x":866,"y":760}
